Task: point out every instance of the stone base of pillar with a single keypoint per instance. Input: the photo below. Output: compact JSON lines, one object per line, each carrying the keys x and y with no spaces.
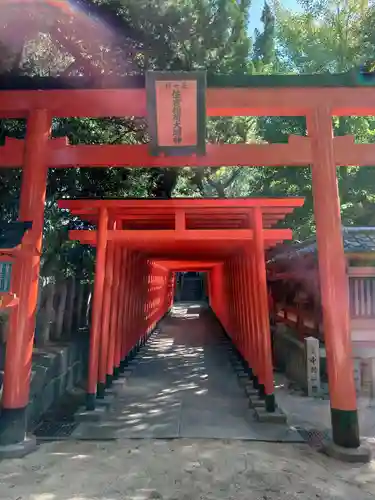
{"x":261,"y":391}
{"x":255,"y":402}
{"x":116,"y":372}
{"x":18,"y":450}
{"x":100,"y":391}
{"x":345,"y":428}
{"x":276,"y":417}
{"x":270,"y":403}
{"x":90,"y":402}
{"x":251,"y":392}
{"x":12,"y":426}
{"x":362,"y":454}
{"x":109,"y":379}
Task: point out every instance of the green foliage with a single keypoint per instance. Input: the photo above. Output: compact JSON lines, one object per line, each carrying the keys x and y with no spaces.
{"x":328,"y":35}
{"x":334,"y":36}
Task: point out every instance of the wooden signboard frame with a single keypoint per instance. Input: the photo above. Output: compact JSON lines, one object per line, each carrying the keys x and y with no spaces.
{"x":190,"y":136}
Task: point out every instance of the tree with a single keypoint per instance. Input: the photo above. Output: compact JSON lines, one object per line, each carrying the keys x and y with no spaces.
{"x":264,"y":44}
{"x":130,"y":37}
{"x":329,"y":35}
{"x":326,"y":36}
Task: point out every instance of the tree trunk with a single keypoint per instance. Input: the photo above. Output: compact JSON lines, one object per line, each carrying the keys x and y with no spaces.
{"x":46,"y":314}
{"x":63,"y":290}
{"x":78,"y":316}
{"x":88,"y":306}
{"x":69,"y":309}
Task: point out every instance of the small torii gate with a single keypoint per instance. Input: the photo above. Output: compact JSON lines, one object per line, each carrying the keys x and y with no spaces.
{"x":311,"y":96}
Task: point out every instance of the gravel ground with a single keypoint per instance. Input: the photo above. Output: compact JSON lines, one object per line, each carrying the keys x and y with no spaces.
{"x":182,"y":470}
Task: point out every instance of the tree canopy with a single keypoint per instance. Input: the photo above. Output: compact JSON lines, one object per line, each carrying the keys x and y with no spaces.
{"x":113,"y":38}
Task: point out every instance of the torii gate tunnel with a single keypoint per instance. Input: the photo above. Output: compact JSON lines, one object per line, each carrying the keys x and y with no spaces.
{"x":138,"y":249}
{"x":138,"y":243}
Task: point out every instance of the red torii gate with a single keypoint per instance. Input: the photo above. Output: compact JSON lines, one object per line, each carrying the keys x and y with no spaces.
{"x":319,"y":149}
{"x":157,"y":233}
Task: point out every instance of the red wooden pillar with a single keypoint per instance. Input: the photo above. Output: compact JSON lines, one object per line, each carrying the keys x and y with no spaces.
{"x":105,"y":320}
{"x":246,"y":326}
{"x":235,"y":301}
{"x":25,"y":282}
{"x":124,"y":319}
{"x":153,"y":277}
{"x":125,"y":313}
{"x":216,"y":292}
{"x":120,"y":315}
{"x":101,"y":247}
{"x":164,"y":282}
{"x":171,"y":288}
{"x":217,"y":279}
{"x":147,"y":300}
{"x":237,"y":304}
{"x":251,"y":357}
{"x":115,"y":306}
{"x":149,"y":307}
{"x":142,"y":302}
{"x":132,"y":301}
{"x":333,"y":281}
{"x":253,"y":289}
{"x":138,"y":285}
{"x":228,"y":326}
{"x":263,"y":314}
{"x":223,"y":296}
{"x":232,"y":301}
{"x":210,"y":290}
{"x":245,"y":311}
{"x":167,"y":292}
{"x":240,"y":305}
{"x":229,"y":298}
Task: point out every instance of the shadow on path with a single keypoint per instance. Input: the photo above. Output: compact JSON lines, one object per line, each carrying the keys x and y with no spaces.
{"x":182,"y":385}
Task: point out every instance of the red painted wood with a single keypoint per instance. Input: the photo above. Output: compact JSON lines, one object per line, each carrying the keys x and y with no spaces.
{"x":296,"y":153}
{"x":262,"y":310}
{"x":97,"y":103}
{"x":332,"y":264}
{"x":25,"y":273}
{"x":8,"y":300}
{"x":106,"y":314}
{"x":96,"y":323}
{"x":115,"y":307}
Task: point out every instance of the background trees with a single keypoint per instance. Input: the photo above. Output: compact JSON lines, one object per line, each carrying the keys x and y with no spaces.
{"x":134,"y":35}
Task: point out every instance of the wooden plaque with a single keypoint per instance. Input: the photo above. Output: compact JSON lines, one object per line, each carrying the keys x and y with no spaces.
{"x":176,"y":112}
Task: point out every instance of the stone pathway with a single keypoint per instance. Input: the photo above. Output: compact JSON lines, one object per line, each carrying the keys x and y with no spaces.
{"x":183,"y":386}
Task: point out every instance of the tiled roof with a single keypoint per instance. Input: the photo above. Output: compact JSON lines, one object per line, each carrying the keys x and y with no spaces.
{"x":359,"y":239}
{"x":356,"y":240}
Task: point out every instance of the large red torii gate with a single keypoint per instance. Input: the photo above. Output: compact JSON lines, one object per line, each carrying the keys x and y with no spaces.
{"x":258,"y":97}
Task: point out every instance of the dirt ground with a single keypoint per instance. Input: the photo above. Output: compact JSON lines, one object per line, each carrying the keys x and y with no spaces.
{"x":182,"y":470}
